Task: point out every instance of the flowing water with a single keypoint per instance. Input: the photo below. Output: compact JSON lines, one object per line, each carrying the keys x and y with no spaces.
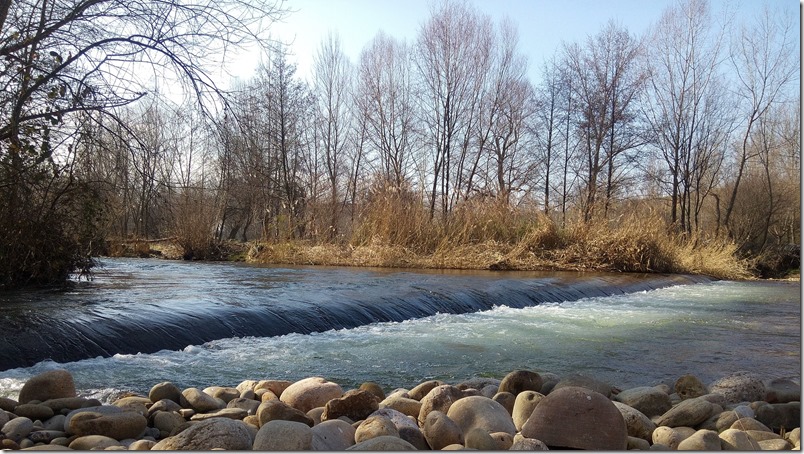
{"x":140,"y":322}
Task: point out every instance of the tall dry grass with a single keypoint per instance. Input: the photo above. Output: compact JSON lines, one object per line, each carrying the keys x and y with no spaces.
{"x":395,"y":230}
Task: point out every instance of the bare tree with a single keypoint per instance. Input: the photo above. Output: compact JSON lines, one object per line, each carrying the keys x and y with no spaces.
{"x":764,"y":61}
{"x":385,"y":101}
{"x":453,"y":53}
{"x":65,"y":57}
{"x":331,"y":85}
{"x":606,"y":82}
{"x":686,"y":106}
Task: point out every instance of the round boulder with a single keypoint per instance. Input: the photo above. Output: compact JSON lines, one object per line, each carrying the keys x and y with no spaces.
{"x":521,"y":380}
{"x":93,"y":442}
{"x":164,"y":390}
{"x":215,"y":433}
{"x":481,"y":412}
{"x":375,"y":426}
{"x":579,"y":418}
{"x":52,"y":384}
{"x":271,"y":410}
{"x":440,"y":431}
{"x":405,"y":405}
{"x":439,"y":398}
{"x":310,"y":393}
{"x":201,"y":401}
{"x":18,"y":428}
{"x":334,"y":435}
{"x":739,"y":387}
{"x":702,"y":440}
{"x":280,"y":435}
{"x":524,"y":404}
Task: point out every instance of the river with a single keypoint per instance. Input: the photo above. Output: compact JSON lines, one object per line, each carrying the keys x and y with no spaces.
{"x":143,"y":321}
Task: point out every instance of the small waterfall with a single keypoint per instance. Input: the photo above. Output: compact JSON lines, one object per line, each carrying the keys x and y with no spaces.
{"x":143,"y":314}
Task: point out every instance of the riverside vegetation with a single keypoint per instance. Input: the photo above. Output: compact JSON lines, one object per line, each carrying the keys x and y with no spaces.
{"x":524,"y":410}
{"x":614,"y":158}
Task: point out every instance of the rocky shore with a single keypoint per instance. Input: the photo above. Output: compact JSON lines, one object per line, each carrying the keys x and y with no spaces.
{"x":525,"y":410}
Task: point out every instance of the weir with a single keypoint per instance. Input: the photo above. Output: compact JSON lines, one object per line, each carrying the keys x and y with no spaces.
{"x":134,"y":311}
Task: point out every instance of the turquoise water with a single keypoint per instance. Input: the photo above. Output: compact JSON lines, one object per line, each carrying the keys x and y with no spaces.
{"x":638,"y":339}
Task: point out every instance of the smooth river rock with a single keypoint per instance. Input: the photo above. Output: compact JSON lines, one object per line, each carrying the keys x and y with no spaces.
{"x":201,"y":401}
{"x":440,"y":431}
{"x":122,"y":425}
{"x":739,"y":387}
{"x":216,"y":433}
{"x":375,"y":426}
{"x":649,"y":400}
{"x":309,"y":393}
{"x":334,"y":435}
{"x":638,"y":424}
{"x":52,"y":384}
{"x":689,"y":386}
{"x":579,"y":418}
{"x":521,"y":380}
{"x":524,"y":404}
{"x":164,"y":390}
{"x":480,"y":412}
{"x":280,"y":435}
{"x":271,"y":410}
{"x":440,"y":398}
{"x":690,"y":413}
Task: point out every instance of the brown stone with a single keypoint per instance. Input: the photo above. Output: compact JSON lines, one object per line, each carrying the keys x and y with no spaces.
{"x":309,"y":393}
{"x":521,"y":380}
{"x":355,"y":404}
{"x":584,"y":382}
{"x":52,"y":384}
{"x":422,"y":389}
{"x":576,"y":417}
{"x":439,"y":398}
{"x":275,"y":409}
{"x":689,"y":386}
{"x":440,"y":431}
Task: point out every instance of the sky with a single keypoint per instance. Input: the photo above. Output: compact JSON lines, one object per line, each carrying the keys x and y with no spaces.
{"x":542,"y":24}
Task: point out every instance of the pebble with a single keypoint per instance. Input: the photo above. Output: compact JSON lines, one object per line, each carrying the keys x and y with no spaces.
{"x":523,"y":411}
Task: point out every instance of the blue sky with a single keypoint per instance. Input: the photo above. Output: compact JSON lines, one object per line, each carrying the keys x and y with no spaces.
{"x":542,"y":24}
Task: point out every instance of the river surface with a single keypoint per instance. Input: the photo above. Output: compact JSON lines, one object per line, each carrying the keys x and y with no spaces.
{"x":142,"y":321}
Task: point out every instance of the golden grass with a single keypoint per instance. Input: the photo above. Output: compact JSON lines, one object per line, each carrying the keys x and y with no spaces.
{"x":394,"y":231}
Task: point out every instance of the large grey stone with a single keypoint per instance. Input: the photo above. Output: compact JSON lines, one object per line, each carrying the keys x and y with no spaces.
{"x":281,"y":435}
{"x":215,"y":433}
{"x":647,"y":399}
{"x":334,"y":435}
{"x":739,"y":387}
{"x":638,"y":424}
{"x":690,"y":413}
{"x":576,"y":417}
{"x":440,"y":431}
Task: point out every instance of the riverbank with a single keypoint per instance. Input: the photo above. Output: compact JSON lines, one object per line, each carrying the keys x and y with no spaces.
{"x":626,"y":249}
{"x":522,"y":410}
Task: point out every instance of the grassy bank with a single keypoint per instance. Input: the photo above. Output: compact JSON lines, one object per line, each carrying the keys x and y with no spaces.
{"x":391,"y":233}
{"x":501,"y":239}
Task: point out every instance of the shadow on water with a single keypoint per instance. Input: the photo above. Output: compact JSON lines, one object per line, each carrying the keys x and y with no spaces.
{"x":137,"y":305}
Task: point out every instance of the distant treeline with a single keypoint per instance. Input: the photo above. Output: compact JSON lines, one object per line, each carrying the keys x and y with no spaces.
{"x":440,"y":140}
